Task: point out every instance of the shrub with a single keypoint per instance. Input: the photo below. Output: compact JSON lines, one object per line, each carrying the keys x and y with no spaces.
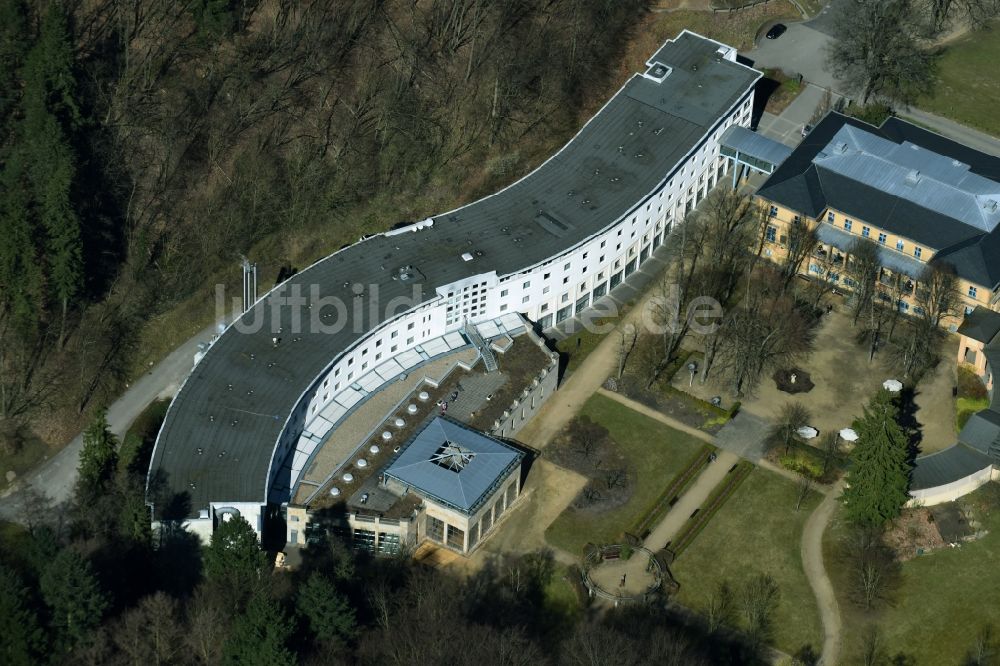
{"x":801,"y":464}
{"x":970,"y":385}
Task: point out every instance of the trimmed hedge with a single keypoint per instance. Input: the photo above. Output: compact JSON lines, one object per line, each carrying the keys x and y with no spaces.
{"x":680,"y":483}
{"x":714,"y":502}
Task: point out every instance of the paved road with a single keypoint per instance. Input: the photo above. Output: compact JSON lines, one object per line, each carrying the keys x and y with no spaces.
{"x":56,"y":476}
{"x":801,"y":50}
{"x":955,"y":131}
{"x":812,"y":563}
{"x":787,"y":127}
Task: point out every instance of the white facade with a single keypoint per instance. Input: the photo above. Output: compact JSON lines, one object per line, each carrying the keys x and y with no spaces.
{"x":547,"y":293}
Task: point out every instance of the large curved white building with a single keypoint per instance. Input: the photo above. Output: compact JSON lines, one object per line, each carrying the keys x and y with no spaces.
{"x":272,"y":389}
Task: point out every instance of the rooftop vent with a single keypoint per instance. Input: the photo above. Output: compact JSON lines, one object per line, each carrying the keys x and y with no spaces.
{"x":990,"y":205}
{"x":452,"y":457}
{"x":840,"y":148}
{"x":658,"y":72}
{"x":466,"y":256}
{"x":913,"y":177}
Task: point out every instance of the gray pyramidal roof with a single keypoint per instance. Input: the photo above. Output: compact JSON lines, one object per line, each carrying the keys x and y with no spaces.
{"x":939,"y":193}
{"x":454,"y":464}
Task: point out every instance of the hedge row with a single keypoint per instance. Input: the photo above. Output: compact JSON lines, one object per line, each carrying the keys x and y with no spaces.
{"x":714,"y":502}
{"x":676,"y":488}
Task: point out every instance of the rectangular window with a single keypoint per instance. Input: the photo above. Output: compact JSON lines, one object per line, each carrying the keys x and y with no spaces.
{"x":563,"y":314}
{"x":917,"y":252}
{"x":435,"y":529}
{"x":503,"y":292}
{"x":972,"y":291}
{"x":527,"y":283}
{"x":772,"y":234}
{"x":899,"y":245}
{"x":881,"y":239}
{"x":830,"y":217}
{"x":866,"y":232}
{"x":848,"y":224}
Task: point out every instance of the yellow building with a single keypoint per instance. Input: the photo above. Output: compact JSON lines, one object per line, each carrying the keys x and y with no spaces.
{"x":919,"y":197}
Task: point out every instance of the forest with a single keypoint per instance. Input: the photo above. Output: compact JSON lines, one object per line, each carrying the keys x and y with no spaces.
{"x":146,"y":145}
{"x":87,"y":582}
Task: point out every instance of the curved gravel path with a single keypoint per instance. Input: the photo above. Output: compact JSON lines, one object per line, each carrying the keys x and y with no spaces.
{"x":812,"y":563}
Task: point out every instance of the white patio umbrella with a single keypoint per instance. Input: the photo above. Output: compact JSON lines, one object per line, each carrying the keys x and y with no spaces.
{"x":892,"y":385}
{"x":848,"y":435}
{"x":807,"y":432}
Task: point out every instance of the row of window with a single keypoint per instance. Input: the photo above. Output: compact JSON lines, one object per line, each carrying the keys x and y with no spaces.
{"x":866,"y":232}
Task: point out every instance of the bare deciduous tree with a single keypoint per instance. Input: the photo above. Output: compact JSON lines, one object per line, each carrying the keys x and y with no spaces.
{"x":873,"y":565}
{"x":785,"y":429}
{"x":759,"y":598}
{"x":877,"y":52}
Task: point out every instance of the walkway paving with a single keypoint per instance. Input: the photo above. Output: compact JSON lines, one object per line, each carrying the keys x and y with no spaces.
{"x":634,"y":405}
{"x":691,"y":500}
{"x":812,"y":563}
{"x":608,"y":576}
{"x":577,"y":389}
{"x":56,"y":477}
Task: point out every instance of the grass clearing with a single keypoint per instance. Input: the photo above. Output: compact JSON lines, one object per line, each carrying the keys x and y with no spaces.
{"x":656,"y":454}
{"x":967,"y":88}
{"x":945,"y":598}
{"x":562,"y":605}
{"x":965,"y":408}
{"x":578,"y":346}
{"x":757,"y":530}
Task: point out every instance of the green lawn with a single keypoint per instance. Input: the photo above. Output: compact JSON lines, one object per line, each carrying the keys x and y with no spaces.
{"x":965,"y":408}
{"x":578,"y":346}
{"x":656,"y":454}
{"x":757,"y":530}
{"x":945,"y":597}
{"x":967,"y":88}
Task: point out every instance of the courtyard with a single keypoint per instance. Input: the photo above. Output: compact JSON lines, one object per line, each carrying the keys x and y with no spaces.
{"x":844,"y":381}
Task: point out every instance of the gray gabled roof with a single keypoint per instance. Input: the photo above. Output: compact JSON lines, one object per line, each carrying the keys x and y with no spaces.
{"x":956,"y":462}
{"x":450,"y":462}
{"x":891,"y":259}
{"x":981,"y":324}
{"x":911,"y":182}
{"x":755,"y":145}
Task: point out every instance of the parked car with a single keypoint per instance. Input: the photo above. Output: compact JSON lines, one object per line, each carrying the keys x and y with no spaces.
{"x":777,"y":30}
{"x":806,"y":129}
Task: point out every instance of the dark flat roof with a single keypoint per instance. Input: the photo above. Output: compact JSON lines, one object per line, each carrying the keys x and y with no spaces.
{"x":219,"y":435}
{"x":813,"y":178}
